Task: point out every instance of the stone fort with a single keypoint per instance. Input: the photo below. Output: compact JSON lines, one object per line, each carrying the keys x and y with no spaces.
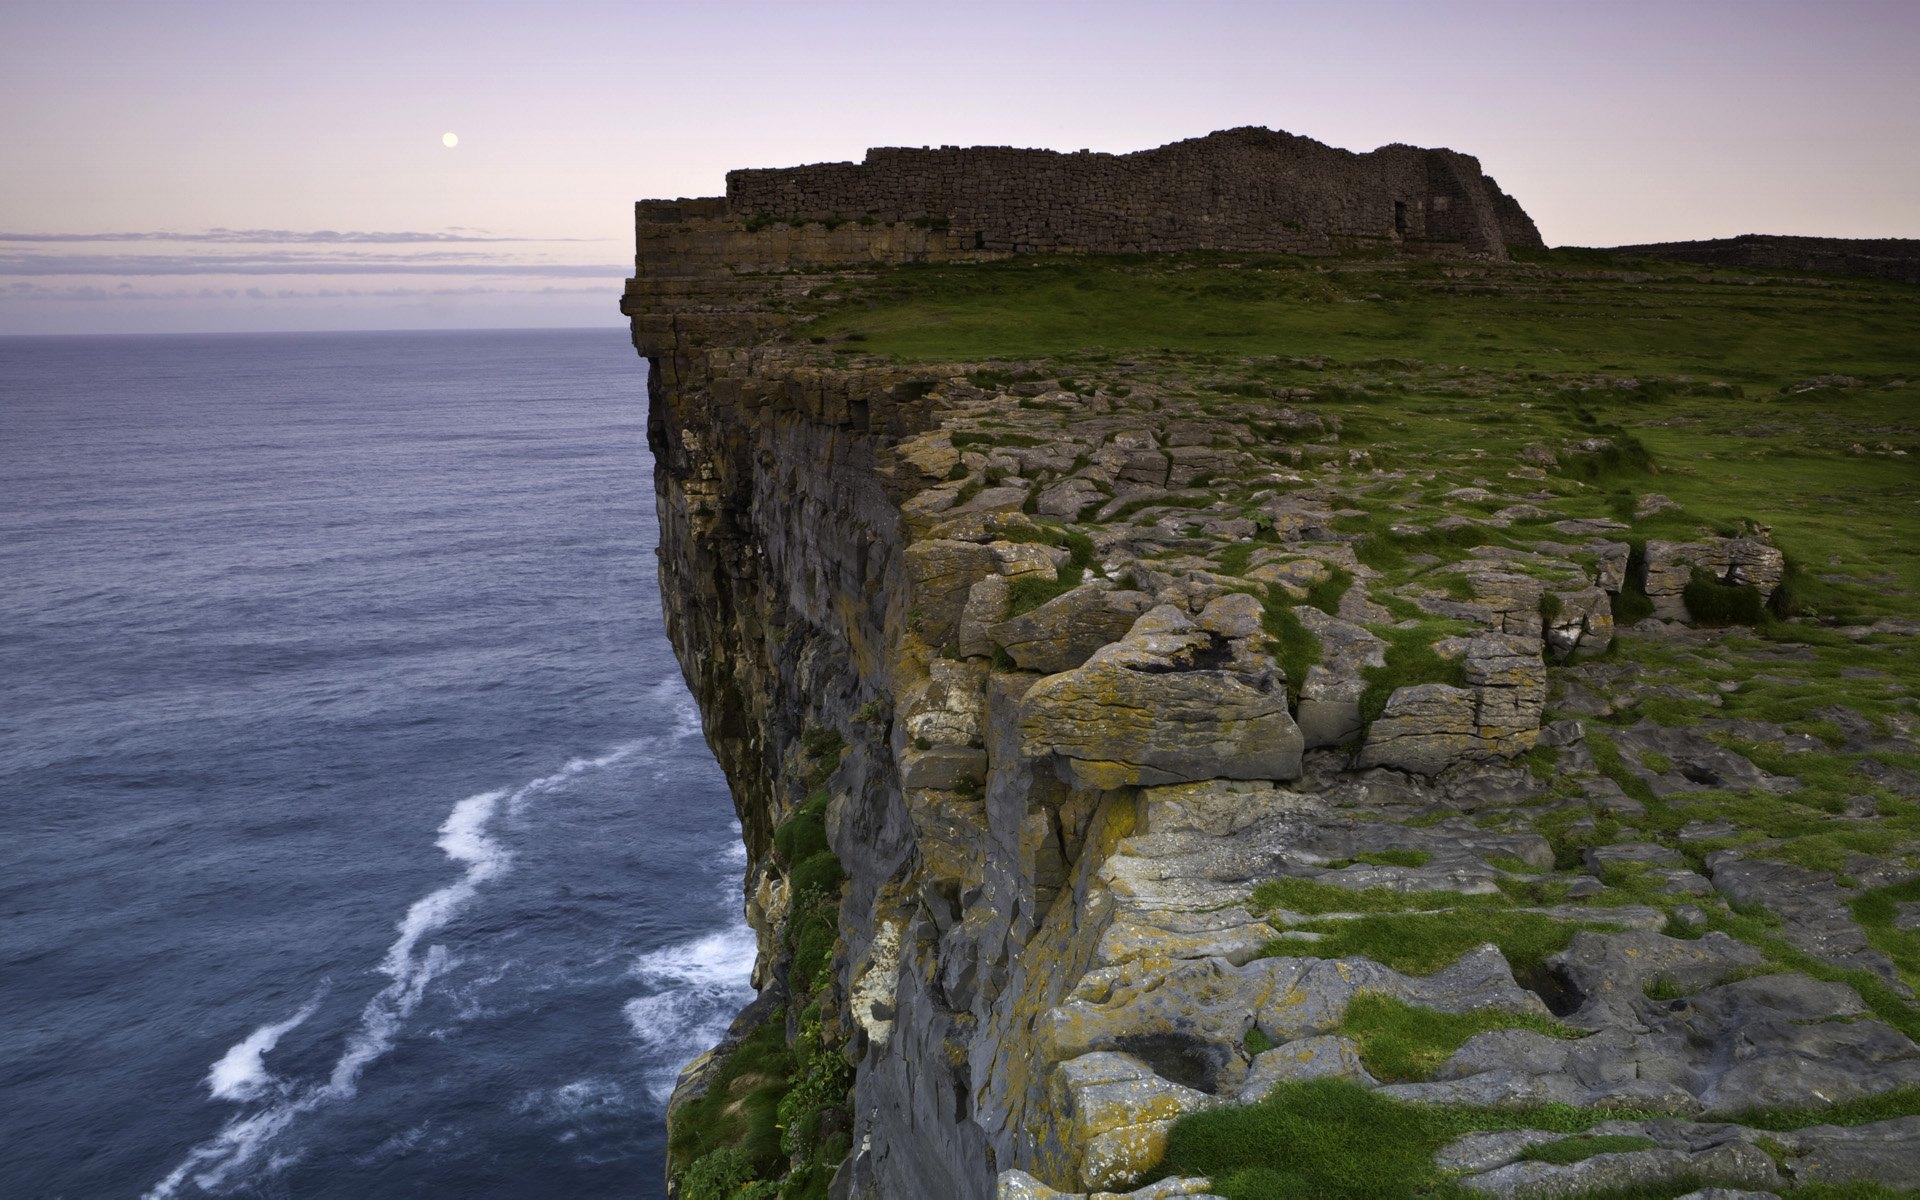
{"x":1239,"y":190}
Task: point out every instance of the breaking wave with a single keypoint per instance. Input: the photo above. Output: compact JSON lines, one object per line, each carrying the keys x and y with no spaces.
{"x":694,"y":989}
{"x":465,"y":837}
{"x":241,"y":1073}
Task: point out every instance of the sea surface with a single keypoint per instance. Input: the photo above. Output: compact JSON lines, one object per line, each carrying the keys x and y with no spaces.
{"x":357,"y":838}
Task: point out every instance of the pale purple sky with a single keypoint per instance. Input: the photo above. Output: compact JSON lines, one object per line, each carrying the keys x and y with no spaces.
{"x":1610,"y":121}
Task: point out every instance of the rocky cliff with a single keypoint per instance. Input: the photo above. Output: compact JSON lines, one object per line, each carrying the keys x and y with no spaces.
{"x":1140,"y":750}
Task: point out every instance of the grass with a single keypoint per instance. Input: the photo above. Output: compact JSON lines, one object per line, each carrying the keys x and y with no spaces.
{"x":1416,"y":933}
{"x":1581,"y":1147}
{"x":1295,"y":647}
{"x":1424,"y":942}
{"x":1694,"y":363}
{"x":1875,"y":910}
{"x":1681,"y":321}
{"x":1333,"y":1140}
{"x":1410,"y":660}
{"x":1712,"y":602}
{"x":1030,"y":591}
{"x":1310,"y":898}
{"x":1401,"y":1043}
{"x":1394,"y":858}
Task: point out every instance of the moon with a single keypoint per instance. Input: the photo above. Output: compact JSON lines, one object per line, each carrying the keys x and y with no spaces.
{"x":449,"y":139}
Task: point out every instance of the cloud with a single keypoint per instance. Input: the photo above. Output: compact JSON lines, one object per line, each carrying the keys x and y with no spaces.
{"x":301,"y":237}
{"x":282,"y":262}
{"x":95,"y":293}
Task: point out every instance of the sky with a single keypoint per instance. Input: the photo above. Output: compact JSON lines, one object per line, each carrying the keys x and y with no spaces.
{"x":170,"y":167}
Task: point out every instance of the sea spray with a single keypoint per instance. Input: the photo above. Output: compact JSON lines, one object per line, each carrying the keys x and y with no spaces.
{"x":694,"y":988}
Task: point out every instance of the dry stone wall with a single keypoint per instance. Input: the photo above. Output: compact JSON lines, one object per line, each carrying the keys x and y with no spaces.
{"x":706,"y":268}
{"x":1242,"y":189}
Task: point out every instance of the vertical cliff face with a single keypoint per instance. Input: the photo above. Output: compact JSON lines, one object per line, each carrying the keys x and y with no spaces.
{"x":1178,"y":745}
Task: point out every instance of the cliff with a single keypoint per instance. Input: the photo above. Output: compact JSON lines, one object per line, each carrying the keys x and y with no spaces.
{"x":1174,"y":741}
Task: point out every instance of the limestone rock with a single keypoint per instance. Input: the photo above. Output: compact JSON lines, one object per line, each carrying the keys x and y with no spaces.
{"x":986,"y":607}
{"x":1744,"y":561}
{"x":1885,"y":1152}
{"x":1735,"y":1163}
{"x":1118,"y":1113}
{"x":1329,"y":711}
{"x":1322,"y":1057}
{"x":1429,"y":727}
{"x":1169,"y":703}
{"x":940,"y":573}
{"x":1066,"y":498}
{"x":1065,"y":631}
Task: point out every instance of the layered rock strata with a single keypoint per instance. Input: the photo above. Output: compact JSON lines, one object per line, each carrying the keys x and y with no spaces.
{"x":1112,"y":839}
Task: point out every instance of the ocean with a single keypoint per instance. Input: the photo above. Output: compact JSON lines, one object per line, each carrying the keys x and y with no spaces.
{"x":357,"y":838}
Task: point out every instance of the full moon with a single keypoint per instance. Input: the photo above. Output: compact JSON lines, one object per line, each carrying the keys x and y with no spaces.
{"x":449,"y":140}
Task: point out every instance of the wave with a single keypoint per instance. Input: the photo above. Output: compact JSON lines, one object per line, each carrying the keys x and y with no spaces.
{"x":464,"y":837}
{"x":696,"y":988}
{"x":241,"y":1073}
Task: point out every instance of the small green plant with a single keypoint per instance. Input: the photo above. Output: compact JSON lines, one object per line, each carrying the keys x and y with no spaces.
{"x":1631,"y":604}
{"x":1711,"y":601}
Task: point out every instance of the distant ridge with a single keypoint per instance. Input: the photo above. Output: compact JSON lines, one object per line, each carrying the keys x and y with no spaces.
{"x":1877,"y":258}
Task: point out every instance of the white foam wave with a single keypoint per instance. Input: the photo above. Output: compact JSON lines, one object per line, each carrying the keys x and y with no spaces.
{"x":465,"y":837}
{"x":695,"y":988}
{"x":241,"y":1073}
{"x":672,"y":695}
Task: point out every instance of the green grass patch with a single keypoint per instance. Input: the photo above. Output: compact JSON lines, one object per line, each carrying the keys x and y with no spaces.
{"x":774,"y":1123}
{"x":1294,"y":646}
{"x":1394,"y":858}
{"x":1581,"y":1147}
{"x":1420,"y":943}
{"x":1712,"y":602}
{"x":1310,"y":898}
{"x":1402,"y":1043}
{"x":1333,"y":1140}
{"x":1410,"y":660}
{"x":1876,"y":910}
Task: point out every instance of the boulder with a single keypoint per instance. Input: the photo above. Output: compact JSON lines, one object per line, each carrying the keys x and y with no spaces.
{"x":1117,"y":1113}
{"x":986,"y":606}
{"x":1326,"y":1056}
{"x":1169,"y":703}
{"x":1329,"y":709}
{"x":1065,"y":631}
{"x":940,"y":573}
{"x":1743,"y":561}
{"x":1429,"y":727}
{"x":1582,"y":622}
{"x":1066,"y":498}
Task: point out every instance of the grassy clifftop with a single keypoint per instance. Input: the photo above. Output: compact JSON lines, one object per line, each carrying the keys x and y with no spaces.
{"x":1790,"y":400}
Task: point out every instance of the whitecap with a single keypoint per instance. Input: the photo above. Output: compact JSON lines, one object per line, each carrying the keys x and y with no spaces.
{"x":695,"y":988}
{"x":573,"y":1102}
{"x":672,"y":695}
{"x":241,"y":1073}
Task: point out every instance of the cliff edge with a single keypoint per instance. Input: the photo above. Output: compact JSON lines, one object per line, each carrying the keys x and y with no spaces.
{"x":1218,"y":709}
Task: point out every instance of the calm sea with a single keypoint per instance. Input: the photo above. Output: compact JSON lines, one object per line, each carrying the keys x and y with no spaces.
{"x":356,"y":835}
